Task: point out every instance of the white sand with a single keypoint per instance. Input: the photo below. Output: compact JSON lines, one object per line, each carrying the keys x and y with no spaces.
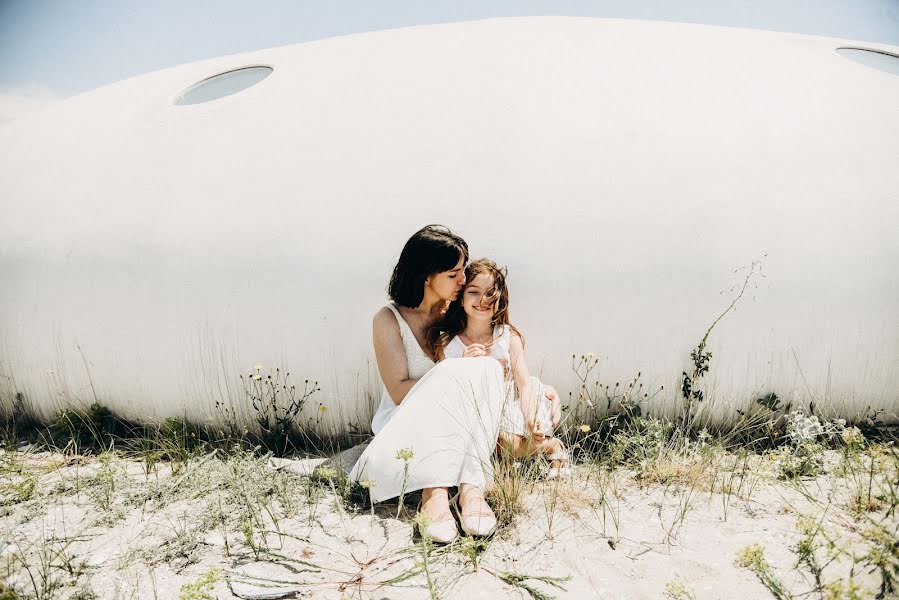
{"x":142,"y":545}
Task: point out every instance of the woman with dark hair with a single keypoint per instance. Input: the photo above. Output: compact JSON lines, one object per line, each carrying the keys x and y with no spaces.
{"x":437,"y":425}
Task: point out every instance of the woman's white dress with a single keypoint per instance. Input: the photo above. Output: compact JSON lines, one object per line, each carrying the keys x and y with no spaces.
{"x":447,"y":426}
{"x":513,"y":416}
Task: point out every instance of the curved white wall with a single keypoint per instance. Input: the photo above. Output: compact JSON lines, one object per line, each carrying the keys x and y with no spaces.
{"x":621,"y":169}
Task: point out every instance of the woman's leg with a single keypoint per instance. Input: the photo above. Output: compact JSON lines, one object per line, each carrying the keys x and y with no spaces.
{"x":443,"y":434}
{"x":476,"y":515}
{"x":435,"y":504}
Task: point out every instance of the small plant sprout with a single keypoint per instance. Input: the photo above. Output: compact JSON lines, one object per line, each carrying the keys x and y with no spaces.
{"x":753,"y":558}
{"x":404,"y":455}
{"x":676,"y":589}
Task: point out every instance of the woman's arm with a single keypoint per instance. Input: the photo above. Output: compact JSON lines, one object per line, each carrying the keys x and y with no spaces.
{"x":521,"y":376}
{"x":390,"y":354}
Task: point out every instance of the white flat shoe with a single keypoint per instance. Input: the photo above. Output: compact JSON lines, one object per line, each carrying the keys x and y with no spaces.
{"x":442,"y":532}
{"x":559,"y":472}
{"x":477,"y":525}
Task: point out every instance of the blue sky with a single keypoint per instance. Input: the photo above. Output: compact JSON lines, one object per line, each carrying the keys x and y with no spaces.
{"x":60,"y":48}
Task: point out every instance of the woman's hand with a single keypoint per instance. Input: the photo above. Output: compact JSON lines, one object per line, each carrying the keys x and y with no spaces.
{"x":555,"y":410}
{"x":475,"y":350}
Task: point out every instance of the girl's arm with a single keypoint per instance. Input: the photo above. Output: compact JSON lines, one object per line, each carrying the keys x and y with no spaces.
{"x":390,"y":354}
{"x":521,"y":377}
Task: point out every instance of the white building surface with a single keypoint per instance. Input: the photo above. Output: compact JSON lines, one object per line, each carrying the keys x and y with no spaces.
{"x":150,"y":251}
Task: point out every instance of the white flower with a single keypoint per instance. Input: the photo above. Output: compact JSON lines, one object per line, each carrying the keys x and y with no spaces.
{"x":802,"y":429}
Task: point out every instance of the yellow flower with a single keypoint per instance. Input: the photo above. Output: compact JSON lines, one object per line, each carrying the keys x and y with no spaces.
{"x":257,"y":377}
{"x":367,"y":484}
{"x":327,"y":472}
{"x":323,"y":408}
{"x":585,"y":428}
{"x":405,"y":454}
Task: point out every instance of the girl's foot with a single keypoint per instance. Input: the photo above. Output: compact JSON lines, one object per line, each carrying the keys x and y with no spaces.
{"x":560,"y":462}
{"x":441,"y":526}
{"x":474,"y":512}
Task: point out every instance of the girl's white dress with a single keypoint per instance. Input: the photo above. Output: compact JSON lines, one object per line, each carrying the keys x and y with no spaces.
{"x":446,"y":426}
{"x":513,"y":416}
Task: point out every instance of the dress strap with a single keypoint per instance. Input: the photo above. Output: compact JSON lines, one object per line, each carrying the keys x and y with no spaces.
{"x":404,"y":327}
{"x":414,"y":352}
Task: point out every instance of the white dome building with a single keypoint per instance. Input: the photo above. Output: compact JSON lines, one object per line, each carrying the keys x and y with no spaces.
{"x":154,"y":245}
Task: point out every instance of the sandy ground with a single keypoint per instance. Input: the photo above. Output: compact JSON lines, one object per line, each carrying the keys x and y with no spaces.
{"x":120,"y":529}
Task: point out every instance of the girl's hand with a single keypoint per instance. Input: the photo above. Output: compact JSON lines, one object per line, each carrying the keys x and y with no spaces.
{"x":537,"y":434}
{"x":474,"y":351}
{"x":506,"y":368}
{"x":555,"y":410}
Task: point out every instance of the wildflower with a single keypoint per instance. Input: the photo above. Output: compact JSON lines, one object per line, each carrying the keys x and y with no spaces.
{"x":802,"y":429}
{"x":257,"y":367}
{"x":840,"y":423}
{"x":584,"y":428}
{"x":852,"y":436}
{"x":367,"y":484}
{"x":422,"y":521}
{"x":752,"y":557}
{"x":257,"y":377}
{"x":323,"y":408}
{"x":405,"y":454}
{"x":327,"y":472}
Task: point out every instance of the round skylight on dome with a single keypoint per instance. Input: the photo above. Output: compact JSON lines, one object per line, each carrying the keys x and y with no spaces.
{"x":876,"y":59}
{"x":223,"y":84}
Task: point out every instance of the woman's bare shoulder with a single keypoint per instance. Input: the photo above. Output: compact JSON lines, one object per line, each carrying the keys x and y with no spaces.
{"x":385,"y":321}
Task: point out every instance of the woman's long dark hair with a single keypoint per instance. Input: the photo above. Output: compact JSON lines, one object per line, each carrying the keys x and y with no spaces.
{"x":455,"y":320}
{"x":432,"y":249}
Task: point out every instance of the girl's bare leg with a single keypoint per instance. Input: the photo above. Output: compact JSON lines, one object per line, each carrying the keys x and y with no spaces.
{"x":517,"y":446}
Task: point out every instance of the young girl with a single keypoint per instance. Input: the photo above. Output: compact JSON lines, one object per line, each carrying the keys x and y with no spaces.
{"x":477,"y":324}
